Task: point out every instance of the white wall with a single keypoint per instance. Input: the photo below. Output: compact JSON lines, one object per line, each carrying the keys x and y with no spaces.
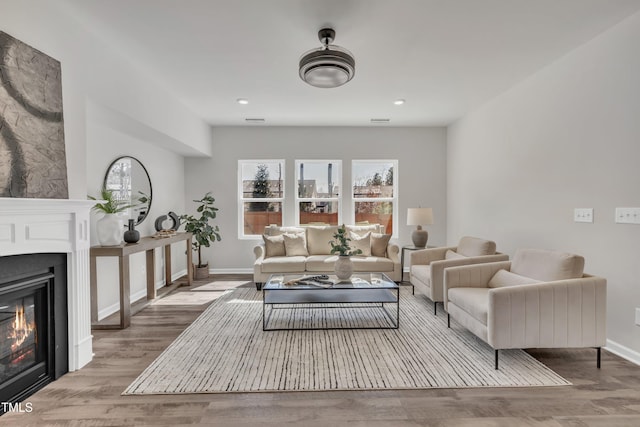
{"x":421,"y":163}
{"x":130,"y":113}
{"x":567,"y":137}
{"x":166,"y":171}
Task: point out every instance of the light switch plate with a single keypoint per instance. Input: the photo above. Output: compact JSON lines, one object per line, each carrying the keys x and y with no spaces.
{"x":628,"y":215}
{"x":583,"y":215}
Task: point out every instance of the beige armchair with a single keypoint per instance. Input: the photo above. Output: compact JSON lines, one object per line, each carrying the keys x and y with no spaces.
{"x":541,"y":299}
{"x":426,"y":268}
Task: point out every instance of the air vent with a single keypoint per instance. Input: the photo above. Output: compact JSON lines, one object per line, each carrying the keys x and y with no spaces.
{"x":380,"y":120}
{"x":254,"y":120}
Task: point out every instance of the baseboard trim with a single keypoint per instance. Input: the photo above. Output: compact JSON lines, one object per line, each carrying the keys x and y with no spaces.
{"x":623,"y":351}
{"x":231,"y":271}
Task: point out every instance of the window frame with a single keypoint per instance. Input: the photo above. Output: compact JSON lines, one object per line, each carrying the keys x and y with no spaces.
{"x":338,"y":199}
{"x":394,"y":200}
{"x":242,"y":200}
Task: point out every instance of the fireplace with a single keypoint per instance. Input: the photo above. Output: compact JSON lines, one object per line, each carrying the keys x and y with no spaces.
{"x":33,"y":323}
{"x":44,"y":256}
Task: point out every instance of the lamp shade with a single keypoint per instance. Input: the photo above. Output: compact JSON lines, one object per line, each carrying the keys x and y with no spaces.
{"x":419,"y":216}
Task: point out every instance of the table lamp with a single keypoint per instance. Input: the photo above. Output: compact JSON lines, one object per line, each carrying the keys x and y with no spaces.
{"x":419,"y":217}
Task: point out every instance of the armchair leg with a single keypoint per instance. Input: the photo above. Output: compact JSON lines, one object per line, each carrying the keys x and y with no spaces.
{"x":496,"y":359}
{"x":435,"y":308}
{"x":448,"y":320}
{"x":258,"y":286}
{"x":599,"y":356}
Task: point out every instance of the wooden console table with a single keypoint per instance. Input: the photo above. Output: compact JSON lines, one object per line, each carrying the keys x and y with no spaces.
{"x":145,"y":244}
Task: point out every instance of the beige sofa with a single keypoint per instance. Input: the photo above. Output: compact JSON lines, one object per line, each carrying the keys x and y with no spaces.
{"x":541,"y":299}
{"x":426,"y":268}
{"x":284,"y":251}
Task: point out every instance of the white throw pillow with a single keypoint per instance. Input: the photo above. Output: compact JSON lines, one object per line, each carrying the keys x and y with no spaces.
{"x":295,"y":244}
{"x":361,"y":242}
{"x":319,"y":238}
{"x":273,"y":246}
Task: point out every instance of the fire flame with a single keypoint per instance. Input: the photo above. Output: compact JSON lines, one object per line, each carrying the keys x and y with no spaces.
{"x":21,"y":329}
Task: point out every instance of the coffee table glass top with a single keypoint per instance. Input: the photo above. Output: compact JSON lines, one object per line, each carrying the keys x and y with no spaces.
{"x":319,"y":281}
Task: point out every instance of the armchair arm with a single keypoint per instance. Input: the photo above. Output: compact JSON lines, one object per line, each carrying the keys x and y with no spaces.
{"x":562,"y":313}
{"x":438,"y":268}
{"x":470,"y":276}
{"x":427,"y":256}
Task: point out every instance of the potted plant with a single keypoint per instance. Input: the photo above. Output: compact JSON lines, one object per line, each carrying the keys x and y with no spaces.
{"x":340,"y":245}
{"x":110,"y":227}
{"x":203,"y":232}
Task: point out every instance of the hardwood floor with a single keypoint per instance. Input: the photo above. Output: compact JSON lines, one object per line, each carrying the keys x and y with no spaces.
{"x":91,"y":396}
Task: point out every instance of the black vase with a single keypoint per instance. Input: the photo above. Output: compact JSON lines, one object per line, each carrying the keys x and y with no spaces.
{"x":131,"y":235}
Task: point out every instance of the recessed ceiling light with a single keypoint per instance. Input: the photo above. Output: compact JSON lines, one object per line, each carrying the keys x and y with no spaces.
{"x":380,"y":120}
{"x":243,"y":101}
{"x":398,"y":101}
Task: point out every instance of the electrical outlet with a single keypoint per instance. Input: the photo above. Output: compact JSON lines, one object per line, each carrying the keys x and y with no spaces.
{"x":628,"y":215}
{"x":583,"y":215}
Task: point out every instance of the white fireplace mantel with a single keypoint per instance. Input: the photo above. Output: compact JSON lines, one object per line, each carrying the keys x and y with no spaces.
{"x":30,"y":226}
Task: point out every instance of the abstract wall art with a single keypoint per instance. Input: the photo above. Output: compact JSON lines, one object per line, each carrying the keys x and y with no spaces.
{"x":32,"y":152}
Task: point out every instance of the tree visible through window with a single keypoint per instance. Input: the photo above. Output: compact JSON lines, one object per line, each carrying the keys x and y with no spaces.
{"x":261,"y":194}
{"x":374,"y":192}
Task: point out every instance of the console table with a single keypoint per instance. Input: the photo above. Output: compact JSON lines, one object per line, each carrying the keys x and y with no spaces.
{"x":123,"y":251}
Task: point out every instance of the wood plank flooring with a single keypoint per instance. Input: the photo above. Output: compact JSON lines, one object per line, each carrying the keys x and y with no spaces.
{"x":91,"y":396}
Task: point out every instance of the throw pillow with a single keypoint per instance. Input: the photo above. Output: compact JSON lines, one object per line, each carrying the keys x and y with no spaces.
{"x":379,"y":244}
{"x":453,"y":255}
{"x":361,"y":242}
{"x":295,"y":244}
{"x":318,"y":239}
{"x":273,"y":246}
{"x":361,"y":230}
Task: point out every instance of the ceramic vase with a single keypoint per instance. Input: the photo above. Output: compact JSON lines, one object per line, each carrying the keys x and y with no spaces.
{"x":344,"y":267}
{"x":109,"y":230}
{"x":131,"y":235}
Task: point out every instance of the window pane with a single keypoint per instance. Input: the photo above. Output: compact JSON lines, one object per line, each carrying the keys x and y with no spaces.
{"x":258,"y":215}
{"x":376,"y":213}
{"x":318,"y":180}
{"x":319,"y":212}
{"x":373,"y":179}
{"x":262,"y":180}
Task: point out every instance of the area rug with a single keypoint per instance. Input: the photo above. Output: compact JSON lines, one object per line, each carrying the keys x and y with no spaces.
{"x":226,"y":350}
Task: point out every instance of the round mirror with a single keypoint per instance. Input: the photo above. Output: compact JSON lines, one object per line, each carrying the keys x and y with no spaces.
{"x":129,"y":181}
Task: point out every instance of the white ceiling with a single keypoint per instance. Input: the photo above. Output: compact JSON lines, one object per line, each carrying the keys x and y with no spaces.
{"x":445,"y":57}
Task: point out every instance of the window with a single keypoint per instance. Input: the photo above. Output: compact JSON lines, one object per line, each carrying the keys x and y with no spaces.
{"x":261,"y":195}
{"x":318,"y":191}
{"x":375,"y":192}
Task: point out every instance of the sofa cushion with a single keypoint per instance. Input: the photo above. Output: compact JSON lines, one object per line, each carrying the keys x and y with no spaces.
{"x":504,"y":278}
{"x":321,"y":263}
{"x":379,"y":243}
{"x":277,"y":231}
{"x":372,"y":264}
{"x":453,"y":255}
{"x":295,"y":244}
{"x":319,"y":238}
{"x":361,"y":242}
{"x":473,"y":246}
{"x":273,"y":246}
{"x":547,"y":265}
{"x":474,"y":301}
{"x":422,"y":273}
{"x":283,"y":264}
{"x":361,"y":230}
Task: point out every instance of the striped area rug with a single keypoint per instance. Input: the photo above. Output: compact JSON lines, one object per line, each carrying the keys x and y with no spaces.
{"x":225,"y":350}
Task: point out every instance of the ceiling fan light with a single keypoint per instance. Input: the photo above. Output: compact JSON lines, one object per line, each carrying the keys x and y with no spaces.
{"x":327,"y":67}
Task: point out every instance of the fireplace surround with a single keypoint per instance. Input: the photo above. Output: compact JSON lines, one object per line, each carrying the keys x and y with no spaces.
{"x":61,"y":227}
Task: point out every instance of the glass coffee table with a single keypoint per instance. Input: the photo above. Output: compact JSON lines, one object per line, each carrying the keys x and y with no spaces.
{"x":325,"y":302}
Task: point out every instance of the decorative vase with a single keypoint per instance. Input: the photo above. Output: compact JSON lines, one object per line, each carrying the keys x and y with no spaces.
{"x":344,"y":267}
{"x":132,"y":235}
{"x":109,"y":229}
